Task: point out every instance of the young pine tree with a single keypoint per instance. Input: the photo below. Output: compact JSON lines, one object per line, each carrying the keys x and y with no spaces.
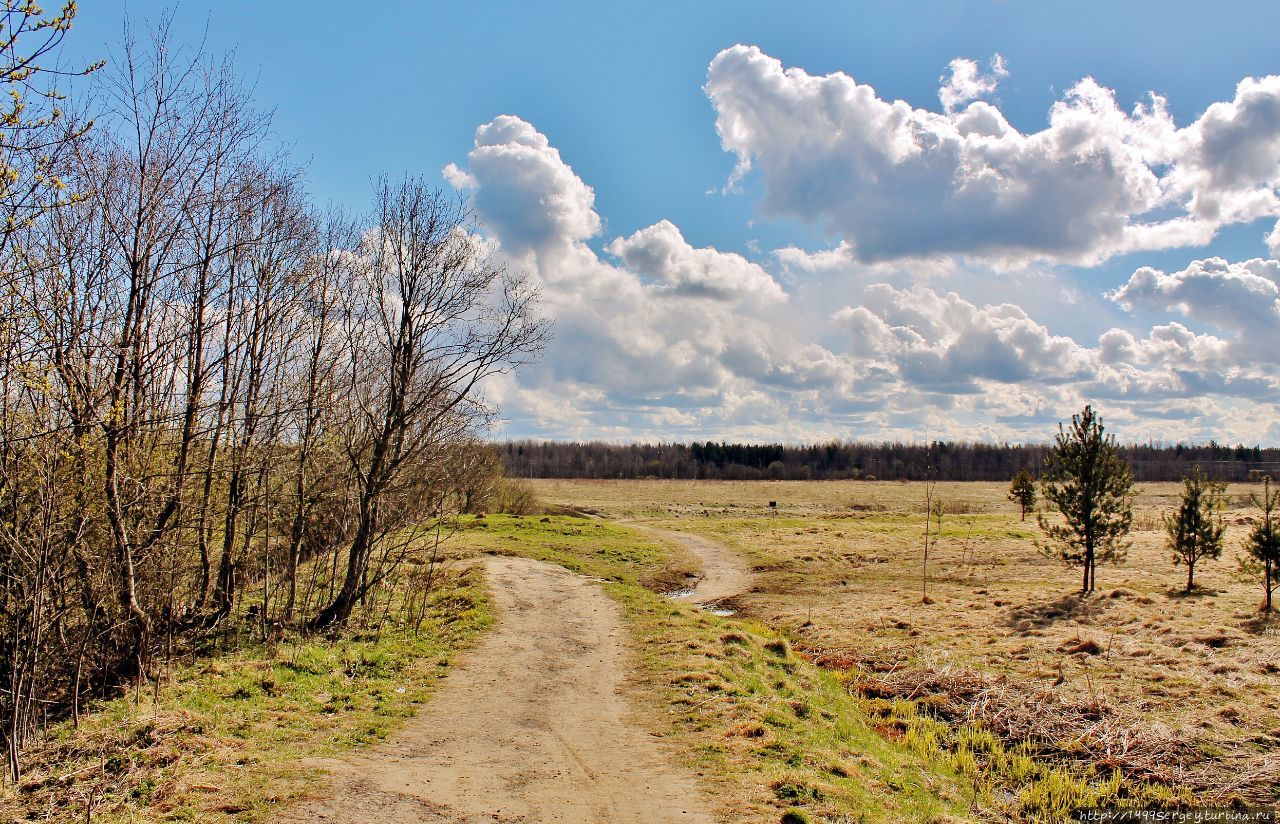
{"x":1091,"y":486}
{"x":1263,"y":544}
{"x":1023,"y":492}
{"x":1195,"y":528}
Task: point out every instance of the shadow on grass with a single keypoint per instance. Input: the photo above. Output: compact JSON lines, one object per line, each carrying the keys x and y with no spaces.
{"x":1181,"y":594}
{"x":1263,"y":623}
{"x":1071,"y":607}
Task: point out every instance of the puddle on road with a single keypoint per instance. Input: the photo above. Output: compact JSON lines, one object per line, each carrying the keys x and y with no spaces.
{"x":689,"y":588}
{"x":714,"y":607}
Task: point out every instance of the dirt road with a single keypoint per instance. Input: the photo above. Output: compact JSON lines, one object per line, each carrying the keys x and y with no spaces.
{"x":724,"y":572}
{"x":531,"y":727}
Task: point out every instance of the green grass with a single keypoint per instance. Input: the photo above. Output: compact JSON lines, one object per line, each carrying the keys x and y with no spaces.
{"x":758,"y":715}
{"x":582,"y":545}
{"x":224,"y":739}
{"x":1015,"y":779}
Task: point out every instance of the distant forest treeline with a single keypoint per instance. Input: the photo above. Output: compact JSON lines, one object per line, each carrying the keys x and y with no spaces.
{"x":944,"y":460}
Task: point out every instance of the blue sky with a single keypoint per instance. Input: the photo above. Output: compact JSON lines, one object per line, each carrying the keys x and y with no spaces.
{"x":618,"y":102}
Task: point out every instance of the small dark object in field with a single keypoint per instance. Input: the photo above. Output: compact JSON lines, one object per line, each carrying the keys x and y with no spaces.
{"x":1077,"y":645}
{"x":545,"y":521}
{"x":778,"y":647}
{"x":749,"y":730}
{"x":1214,"y":641}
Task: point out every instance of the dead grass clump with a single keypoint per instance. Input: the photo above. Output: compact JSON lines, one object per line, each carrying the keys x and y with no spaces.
{"x":1073,"y":607}
{"x":703,"y":680}
{"x":1089,"y":734}
{"x":796,"y":790}
{"x":778,"y":647}
{"x":748,"y":729}
{"x":1088,"y":646}
{"x":839,"y":660}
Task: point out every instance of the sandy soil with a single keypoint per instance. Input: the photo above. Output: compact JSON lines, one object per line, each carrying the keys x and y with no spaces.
{"x":725,"y":573}
{"x":531,"y":727}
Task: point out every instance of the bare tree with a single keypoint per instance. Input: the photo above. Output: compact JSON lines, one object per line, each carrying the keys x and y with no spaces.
{"x":932,"y":517}
{"x":428,"y":316}
{"x":34,"y":128}
{"x":207,"y":390}
{"x":314,"y":383}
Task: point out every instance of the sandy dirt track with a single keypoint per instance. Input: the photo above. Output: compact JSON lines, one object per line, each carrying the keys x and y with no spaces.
{"x":724,"y":572}
{"x":531,"y":726}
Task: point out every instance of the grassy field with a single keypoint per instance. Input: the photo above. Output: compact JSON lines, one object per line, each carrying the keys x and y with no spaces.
{"x":836,"y":693}
{"x":1176,"y":696}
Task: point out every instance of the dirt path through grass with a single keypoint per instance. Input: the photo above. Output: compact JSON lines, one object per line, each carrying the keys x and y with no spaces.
{"x":531,"y":727}
{"x":725,"y":573}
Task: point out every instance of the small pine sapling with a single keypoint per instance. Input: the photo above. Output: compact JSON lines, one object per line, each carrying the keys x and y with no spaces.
{"x":1194,"y":531}
{"x":1023,"y":492}
{"x":1091,"y":487}
{"x":1263,"y":545}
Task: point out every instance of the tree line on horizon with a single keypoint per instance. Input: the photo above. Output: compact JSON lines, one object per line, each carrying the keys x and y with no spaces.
{"x":862,"y":460}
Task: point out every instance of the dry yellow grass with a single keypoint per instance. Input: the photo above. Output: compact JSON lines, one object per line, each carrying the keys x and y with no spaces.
{"x":840,"y":567}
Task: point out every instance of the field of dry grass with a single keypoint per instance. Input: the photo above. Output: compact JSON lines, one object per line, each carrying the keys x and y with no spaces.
{"x":1181,"y":689}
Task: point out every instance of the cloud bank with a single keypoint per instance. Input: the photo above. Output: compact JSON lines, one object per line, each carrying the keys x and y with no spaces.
{"x":894,"y":181}
{"x":880,"y":336}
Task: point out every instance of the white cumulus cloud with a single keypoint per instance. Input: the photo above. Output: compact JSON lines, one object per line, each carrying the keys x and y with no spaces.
{"x":662,"y":338}
{"x":965,"y":81}
{"x":661,"y":251}
{"x":528,"y":196}
{"x":896,"y":181}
